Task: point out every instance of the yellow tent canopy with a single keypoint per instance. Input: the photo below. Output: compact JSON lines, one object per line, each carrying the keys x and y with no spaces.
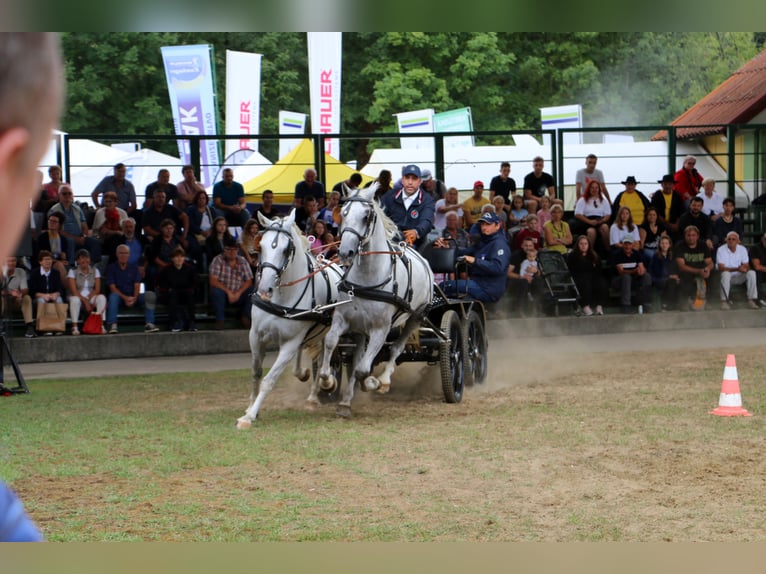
{"x":285,"y":173}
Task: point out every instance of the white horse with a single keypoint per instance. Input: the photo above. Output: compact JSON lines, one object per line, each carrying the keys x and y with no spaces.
{"x":389,"y":285}
{"x":291,"y":306}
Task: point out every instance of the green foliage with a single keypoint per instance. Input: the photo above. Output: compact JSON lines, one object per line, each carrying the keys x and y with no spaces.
{"x":116,"y":81}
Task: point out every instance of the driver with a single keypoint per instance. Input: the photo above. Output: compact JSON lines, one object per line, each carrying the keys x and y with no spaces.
{"x":410,"y":208}
{"x":488,"y":263}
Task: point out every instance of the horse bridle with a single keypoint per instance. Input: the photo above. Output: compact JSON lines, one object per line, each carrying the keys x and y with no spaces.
{"x":368,"y":221}
{"x":289,"y":252}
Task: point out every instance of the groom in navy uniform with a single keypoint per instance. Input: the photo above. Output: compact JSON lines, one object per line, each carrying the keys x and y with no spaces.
{"x":410,"y":208}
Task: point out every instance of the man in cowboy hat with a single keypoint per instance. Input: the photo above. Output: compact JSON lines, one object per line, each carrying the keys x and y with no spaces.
{"x":632,"y":199}
{"x":669,"y":204}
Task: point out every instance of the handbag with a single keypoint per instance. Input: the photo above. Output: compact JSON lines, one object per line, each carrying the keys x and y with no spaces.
{"x":51,"y":317}
{"x":93,"y":324}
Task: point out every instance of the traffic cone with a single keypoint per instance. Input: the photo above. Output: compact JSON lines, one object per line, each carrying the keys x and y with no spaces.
{"x":730,"y":401}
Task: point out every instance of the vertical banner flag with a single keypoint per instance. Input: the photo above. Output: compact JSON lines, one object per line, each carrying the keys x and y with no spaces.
{"x":192,"y":99}
{"x":562,"y":117}
{"x":290,"y":123}
{"x":324,"y":49}
{"x":459,"y":120}
{"x":416,"y":122}
{"x":243,"y":99}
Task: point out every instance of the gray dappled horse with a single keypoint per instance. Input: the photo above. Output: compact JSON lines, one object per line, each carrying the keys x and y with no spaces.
{"x":293,"y":287}
{"x":389,"y":285}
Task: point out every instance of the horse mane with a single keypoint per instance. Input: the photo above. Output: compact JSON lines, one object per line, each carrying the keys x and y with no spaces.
{"x":304,"y":242}
{"x":388,"y":225}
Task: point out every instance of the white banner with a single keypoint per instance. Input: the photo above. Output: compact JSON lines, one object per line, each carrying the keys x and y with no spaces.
{"x":416,"y":122}
{"x":192,"y":100}
{"x":324,"y":50}
{"x":243,"y":99}
{"x":559,"y":117}
{"x":459,"y":120}
{"x":290,"y":123}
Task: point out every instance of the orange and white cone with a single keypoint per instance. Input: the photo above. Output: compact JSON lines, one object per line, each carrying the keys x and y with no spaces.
{"x":730,"y":401}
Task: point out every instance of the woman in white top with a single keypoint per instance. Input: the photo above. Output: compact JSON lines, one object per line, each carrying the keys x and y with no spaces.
{"x":623,"y":225}
{"x":444,"y":206}
{"x":591,"y":215}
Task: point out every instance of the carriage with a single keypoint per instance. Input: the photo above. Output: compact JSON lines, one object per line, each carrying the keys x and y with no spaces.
{"x":381,"y":306}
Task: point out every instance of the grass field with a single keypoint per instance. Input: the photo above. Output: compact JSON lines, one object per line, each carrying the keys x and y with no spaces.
{"x":595,"y":449}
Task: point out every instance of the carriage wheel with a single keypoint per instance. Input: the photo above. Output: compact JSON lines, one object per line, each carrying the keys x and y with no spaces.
{"x":336,"y":366}
{"x":476,"y":349}
{"x":452,"y":357}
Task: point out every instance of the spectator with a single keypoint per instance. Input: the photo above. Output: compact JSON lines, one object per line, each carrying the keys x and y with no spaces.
{"x":107,"y":222}
{"x":632,"y":277}
{"x":201,"y":217}
{"x":351,"y":184}
{"x":589,"y":173}
{"x":487,"y":261}
{"x":187,"y":188}
{"x":216,"y":240}
{"x":308,"y":186}
{"x":177,"y":288}
{"x":250,"y":243}
{"x":453,"y":233}
{"x":160,"y":252}
{"x":632,"y":198}
{"x":410,"y":208}
{"x":537,"y":184}
{"x":473,"y":205}
{"x":163,"y":183}
{"x":229,"y":199}
{"x":688,"y":180}
{"x":758,"y":261}
{"x":45,"y":283}
{"x":500,"y":206}
{"x":50,"y":195}
{"x":16,"y":292}
{"x":543,"y":213}
{"x":432,"y":186}
{"x":528,"y":231}
{"x":231,"y":282}
{"x":734,"y":264}
{"x":726,"y":222}
{"x":75,"y":227}
{"x":158,"y":212}
{"x":52,"y":240}
{"x":384,"y":183}
{"x":699,"y":220}
{"x":585,"y":266}
{"x":307,"y":214}
{"x":558,"y":236}
{"x":503,"y":185}
{"x":267,"y":208}
{"x":321,"y":241}
{"x":623,"y":225}
{"x":524,"y":291}
{"x":447,"y":204}
{"x":136,"y":243}
{"x":85,"y":291}
{"x":669,"y":205}
{"x":694,"y":261}
{"x":712,"y":202}
{"x":592,"y":214}
{"x":517,"y":215}
{"x":650,"y":232}
{"x":664,"y":274}
{"x":330,"y":212}
{"x":123,"y":280}
{"x":126,"y":193}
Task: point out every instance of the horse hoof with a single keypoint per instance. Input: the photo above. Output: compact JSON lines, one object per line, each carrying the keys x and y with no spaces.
{"x":371,"y":384}
{"x":343,"y":411}
{"x":312,"y":405}
{"x":383,"y":388}
{"x":243,"y":424}
{"x":304,"y":375}
{"x":329,"y":384}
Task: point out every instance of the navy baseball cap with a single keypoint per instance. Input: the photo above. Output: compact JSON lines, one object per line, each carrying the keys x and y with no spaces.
{"x":411,"y":169}
{"x":490,"y":217}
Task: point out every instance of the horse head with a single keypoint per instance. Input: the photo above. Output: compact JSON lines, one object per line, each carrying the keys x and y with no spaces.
{"x":277,"y":251}
{"x":357,"y":222}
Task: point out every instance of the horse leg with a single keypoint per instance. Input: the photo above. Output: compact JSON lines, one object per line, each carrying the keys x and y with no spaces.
{"x":302,"y":374}
{"x":286,"y":353}
{"x":396,"y":349}
{"x":325,"y":378}
{"x":363,"y":368}
{"x":347,"y":395}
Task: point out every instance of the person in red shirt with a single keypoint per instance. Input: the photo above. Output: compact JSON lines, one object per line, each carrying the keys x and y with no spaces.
{"x":688,"y":180}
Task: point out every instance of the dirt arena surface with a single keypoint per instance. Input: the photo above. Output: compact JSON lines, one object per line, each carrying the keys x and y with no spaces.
{"x":570,"y":439}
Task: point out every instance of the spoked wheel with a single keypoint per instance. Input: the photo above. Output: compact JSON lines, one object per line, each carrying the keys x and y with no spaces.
{"x":476,"y":350}
{"x":336,"y":366}
{"x":452,"y":357}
